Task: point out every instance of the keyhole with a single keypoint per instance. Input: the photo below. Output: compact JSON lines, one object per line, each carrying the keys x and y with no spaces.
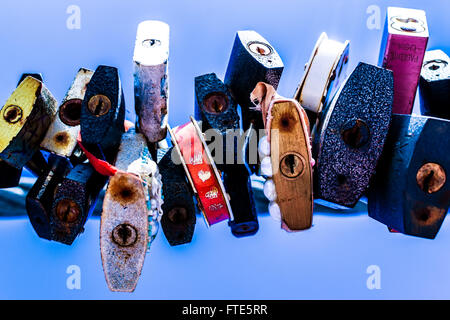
{"x":67,"y":210}
{"x":215,"y":103}
{"x":292,"y":165}
{"x":431,"y":177}
{"x":124,"y":235}
{"x":355,"y":133}
{"x":99,"y":105}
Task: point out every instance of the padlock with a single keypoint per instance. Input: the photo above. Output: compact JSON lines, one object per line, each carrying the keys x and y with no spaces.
{"x":151,"y":79}
{"x":201,"y":171}
{"x":131,"y":213}
{"x":61,"y":137}
{"x":39,"y":200}
{"x":434,"y":85}
{"x":103,"y":113}
{"x":11,"y":175}
{"x":324,"y":73}
{"x":350,"y":136}
{"x":218,"y":111}
{"x":24,"y":121}
{"x":287,"y":151}
{"x":403,"y":46}
{"x":410,"y":191}
{"x":74,"y":199}
{"x":253,"y":59}
{"x":178,"y":219}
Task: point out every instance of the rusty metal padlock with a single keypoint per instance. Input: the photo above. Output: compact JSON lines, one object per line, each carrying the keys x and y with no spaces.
{"x":24,"y":121}
{"x":253,"y":59}
{"x":410,"y":191}
{"x":402,"y":50}
{"x":434,"y":85}
{"x":11,"y":175}
{"x":61,"y":137}
{"x":350,"y":136}
{"x":151,"y":82}
{"x":131,"y":213}
{"x":324,"y":73}
{"x":218,"y":111}
{"x":178,"y":220}
{"x":39,"y":200}
{"x":103,"y":113}
{"x":74,"y":199}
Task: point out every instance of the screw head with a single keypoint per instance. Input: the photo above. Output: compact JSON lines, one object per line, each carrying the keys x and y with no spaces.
{"x":12,"y":114}
{"x":431,"y":177}
{"x":67,"y":210}
{"x":292,"y":165}
{"x":99,"y":105}
{"x":124,"y":235}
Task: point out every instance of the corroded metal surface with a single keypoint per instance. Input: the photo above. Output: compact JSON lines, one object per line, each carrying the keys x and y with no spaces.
{"x":61,"y":137}
{"x":151,"y":79}
{"x":178,"y":221}
{"x":411,"y":191}
{"x":434,"y":85}
{"x":24,"y":121}
{"x":350,"y":136}
{"x":402,"y":50}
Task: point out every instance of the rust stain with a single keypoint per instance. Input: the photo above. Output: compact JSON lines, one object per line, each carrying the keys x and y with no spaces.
{"x":427,"y":216}
{"x":61,"y":139}
{"x":123,"y":189}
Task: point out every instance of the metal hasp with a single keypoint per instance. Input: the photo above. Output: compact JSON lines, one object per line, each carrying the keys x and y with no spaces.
{"x":103,"y":113}
{"x":61,"y":137}
{"x":39,"y":200}
{"x":434,"y":85}
{"x":151,"y":79}
{"x":11,"y":175}
{"x":24,"y":121}
{"x":324,"y":73}
{"x":253,"y":59}
{"x":74,"y":200}
{"x":131,"y":213}
{"x":410,"y":191}
{"x":402,"y":50}
{"x":351,"y":134}
{"x":218,"y":111}
{"x":178,"y":220}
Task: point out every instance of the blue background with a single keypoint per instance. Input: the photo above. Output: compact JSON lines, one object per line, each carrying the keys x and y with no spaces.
{"x":329,"y":261}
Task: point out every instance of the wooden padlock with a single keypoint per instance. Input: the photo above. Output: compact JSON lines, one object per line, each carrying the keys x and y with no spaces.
{"x":402,"y":50}
{"x":289,"y":145}
{"x":74,"y":199}
{"x":253,"y":59}
{"x":178,"y":220}
{"x":24,"y":121}
{"x":201,"y":172}
{"x":103,"y":113}
{"x":350,"y":136}
{"x":39,"y":200}
{"x":218,"y":111}
{"x":434,"y":85}
{"x":410,"y":191}
{"x":131,"y":213}
{"x":324,"y":73}
{"x":151,"y":79}
{"x":61,"y":137}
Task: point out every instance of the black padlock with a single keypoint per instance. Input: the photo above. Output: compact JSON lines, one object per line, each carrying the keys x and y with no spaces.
{"x":103,"y":113}
{"x":74,"y":199}
{"x":434,"y":85}
{"x":39,"y":200}
{"x":410,"y":191}
{"x":178,"y":221}
{"x":253,"y":59}
{"x":218,"y":111}
{"x":350,"y":135}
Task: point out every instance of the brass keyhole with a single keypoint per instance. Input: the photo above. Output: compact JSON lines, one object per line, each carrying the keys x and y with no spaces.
{"x":215,"y":103}
{"x":431,"y":177}
{"x":292,"y":165}
{"x":355,"y":133}
{"x":12,"y":114}
{"x":99,"y":105}
{"x":260,"y":48}
{"x":124,"y":235}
